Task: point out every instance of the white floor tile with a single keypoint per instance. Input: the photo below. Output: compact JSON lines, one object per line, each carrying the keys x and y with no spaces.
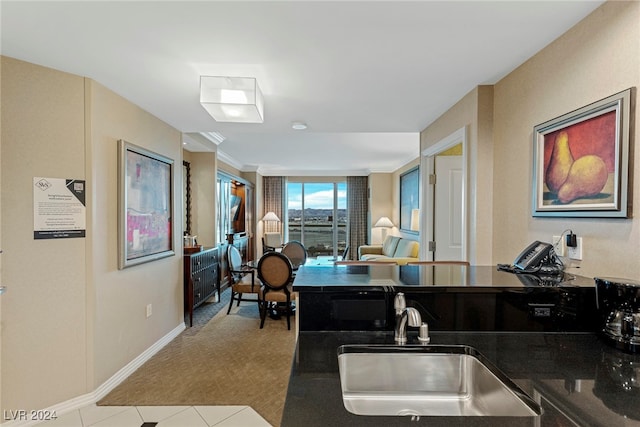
{"x":128,"y":418}
{"x":187,"y":418}
{"x":165,"y":416}
{"x":245,"y":418}
{"x":72,"y":419}
{"x":159,"y":413}
{"x":215,"y":414}
{"x":93,"y":414}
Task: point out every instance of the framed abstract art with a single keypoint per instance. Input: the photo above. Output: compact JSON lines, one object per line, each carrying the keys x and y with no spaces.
{"x":145,"y":223}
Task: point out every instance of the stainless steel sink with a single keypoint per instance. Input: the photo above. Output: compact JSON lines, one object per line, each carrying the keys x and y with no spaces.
{"x":427,"y":380}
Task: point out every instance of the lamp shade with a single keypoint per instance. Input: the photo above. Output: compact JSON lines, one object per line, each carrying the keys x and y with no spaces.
{"x":384,"y":222}
{"x":232,"y":99}
{"x":271,"y":216}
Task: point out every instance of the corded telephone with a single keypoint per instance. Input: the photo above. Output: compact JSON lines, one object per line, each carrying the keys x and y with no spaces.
{"x":538,"y":257}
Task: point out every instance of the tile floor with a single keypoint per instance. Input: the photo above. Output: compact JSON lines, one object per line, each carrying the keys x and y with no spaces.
{"x":164,"y":416}
{"x":159,"y":416}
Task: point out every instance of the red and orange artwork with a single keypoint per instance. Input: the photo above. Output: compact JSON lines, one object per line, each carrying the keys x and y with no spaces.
{"x":580,"y":161}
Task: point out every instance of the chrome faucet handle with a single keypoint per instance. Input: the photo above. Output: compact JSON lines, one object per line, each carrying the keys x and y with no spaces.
{"x":399,"y":303}
{"x":423,"y":334}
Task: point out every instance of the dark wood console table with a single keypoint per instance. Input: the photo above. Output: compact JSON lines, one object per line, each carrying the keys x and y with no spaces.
{"x":201,"y":279}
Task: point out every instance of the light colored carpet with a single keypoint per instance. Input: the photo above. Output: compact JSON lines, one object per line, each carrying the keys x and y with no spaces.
{"x":227,"y":361}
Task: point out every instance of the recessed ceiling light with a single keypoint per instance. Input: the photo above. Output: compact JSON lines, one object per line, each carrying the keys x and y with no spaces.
{"x":298,"y":126}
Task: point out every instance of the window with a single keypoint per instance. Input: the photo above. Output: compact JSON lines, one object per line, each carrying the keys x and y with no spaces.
{"x":317,"y":216}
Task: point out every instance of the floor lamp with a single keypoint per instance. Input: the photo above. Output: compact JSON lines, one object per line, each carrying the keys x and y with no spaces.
{"x":270,"y":217}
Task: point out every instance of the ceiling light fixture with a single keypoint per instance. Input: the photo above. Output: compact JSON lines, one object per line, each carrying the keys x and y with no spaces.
{"x":298,"y":126}
{"x":232,"y":99}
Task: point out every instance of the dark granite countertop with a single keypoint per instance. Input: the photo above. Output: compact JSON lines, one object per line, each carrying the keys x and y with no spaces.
{"x":424,"y":278}
{"x":576,"y":378}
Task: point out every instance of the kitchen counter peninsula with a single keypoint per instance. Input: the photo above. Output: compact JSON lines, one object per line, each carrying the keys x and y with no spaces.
{"x":449,"y":297}
{"x":320,"y":278}
{"x":576,"y":378}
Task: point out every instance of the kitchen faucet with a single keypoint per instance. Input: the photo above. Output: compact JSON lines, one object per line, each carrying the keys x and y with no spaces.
{"x":407,"y":315}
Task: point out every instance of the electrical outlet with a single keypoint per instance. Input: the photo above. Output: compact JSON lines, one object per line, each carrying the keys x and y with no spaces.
{"x":149,"y":310}
{"x":559,"y":245}
{"x":576,"y":253}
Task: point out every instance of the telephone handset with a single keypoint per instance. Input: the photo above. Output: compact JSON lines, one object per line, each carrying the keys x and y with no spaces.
{"x":533,"y":255}
{"x":538,"y":257}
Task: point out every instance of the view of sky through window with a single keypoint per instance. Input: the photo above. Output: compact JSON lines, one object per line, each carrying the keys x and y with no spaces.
{"x":311,"y":218}
{"x":317,"y":195}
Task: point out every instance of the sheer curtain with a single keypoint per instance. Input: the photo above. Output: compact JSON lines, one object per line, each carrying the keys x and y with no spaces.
{"x":357,"y":208}
{"x":273,"y":200}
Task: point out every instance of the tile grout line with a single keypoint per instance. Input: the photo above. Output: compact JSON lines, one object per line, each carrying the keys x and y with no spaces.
{"x":243,"y":408}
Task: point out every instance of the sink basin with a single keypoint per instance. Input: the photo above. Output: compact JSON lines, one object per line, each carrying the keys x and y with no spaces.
{"x":427,"y":380}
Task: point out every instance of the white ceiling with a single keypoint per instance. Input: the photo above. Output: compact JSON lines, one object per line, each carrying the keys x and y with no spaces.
{"x":366,"y":76}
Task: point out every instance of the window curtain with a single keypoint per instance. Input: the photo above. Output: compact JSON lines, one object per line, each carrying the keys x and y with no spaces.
{"x":273,"y":200}
{"x":357,"y":208}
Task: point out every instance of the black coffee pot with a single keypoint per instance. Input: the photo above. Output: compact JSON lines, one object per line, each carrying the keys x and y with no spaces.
{"x":618,"y":302}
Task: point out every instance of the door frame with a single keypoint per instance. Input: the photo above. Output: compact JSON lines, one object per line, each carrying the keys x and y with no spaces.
{"x":427,"y":164}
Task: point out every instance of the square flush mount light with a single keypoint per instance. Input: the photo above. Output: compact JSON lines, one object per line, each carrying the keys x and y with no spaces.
{"x":232,"y":99}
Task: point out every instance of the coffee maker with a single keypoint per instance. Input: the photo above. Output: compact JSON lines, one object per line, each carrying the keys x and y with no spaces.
{"x":618,"y":302}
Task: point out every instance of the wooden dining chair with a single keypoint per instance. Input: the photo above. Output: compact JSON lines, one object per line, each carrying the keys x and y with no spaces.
{"x":243,"y":279}
{"x":276,"y":274}
{"x":296,"y":252}
{"x":271,"y":241}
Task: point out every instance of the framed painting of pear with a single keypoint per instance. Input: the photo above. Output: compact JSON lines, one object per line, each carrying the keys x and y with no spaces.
{"x":581,"y":161}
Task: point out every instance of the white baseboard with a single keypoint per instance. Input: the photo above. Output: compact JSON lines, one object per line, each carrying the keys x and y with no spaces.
{"x":104,"y":388}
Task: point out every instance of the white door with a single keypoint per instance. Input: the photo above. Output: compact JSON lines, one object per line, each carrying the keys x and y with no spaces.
{"x":445,"y":202}
{"x":448,"y":218}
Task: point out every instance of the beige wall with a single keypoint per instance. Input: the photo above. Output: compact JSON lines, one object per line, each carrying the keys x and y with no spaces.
{"x":474,"y":113}
{"x":595,"y":59}
{"x":381,"y":204}
{"x":121,"y":331}
{"x":44,"y":332}
{"x":204,"y":172}
{"x":1,"y":405}
{"x":72,"y":319}
{"x":222,"y":166}
{"x":598,"y":57}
